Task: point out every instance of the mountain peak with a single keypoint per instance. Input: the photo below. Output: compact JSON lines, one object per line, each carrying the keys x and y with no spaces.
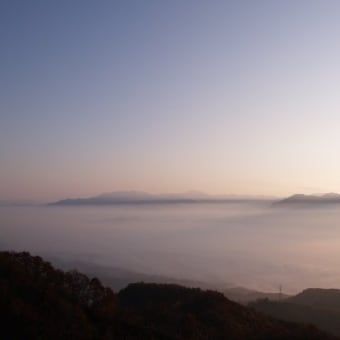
{"x":327,"y":198}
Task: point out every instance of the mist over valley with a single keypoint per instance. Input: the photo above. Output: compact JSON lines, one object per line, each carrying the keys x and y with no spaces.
{"x":249,"y":243}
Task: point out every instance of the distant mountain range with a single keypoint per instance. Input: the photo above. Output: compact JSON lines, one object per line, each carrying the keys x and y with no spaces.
{"x":140,"y":197}
{"x":316,"y":199}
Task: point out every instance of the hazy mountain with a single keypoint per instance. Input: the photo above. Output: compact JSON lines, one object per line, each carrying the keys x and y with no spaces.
{"x":316,"y":199}
{"x":140,"y":197}
{"x":316,"y":297}
{"x":319,"y":307}
{"x":245,"y":295}
{"x":40,"y":302}
{"x":118,"y":278}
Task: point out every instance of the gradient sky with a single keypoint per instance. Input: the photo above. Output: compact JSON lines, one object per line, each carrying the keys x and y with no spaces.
{"x":165,"y":96}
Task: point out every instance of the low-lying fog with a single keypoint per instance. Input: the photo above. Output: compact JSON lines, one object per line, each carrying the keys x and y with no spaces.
{"x":252,"y":245}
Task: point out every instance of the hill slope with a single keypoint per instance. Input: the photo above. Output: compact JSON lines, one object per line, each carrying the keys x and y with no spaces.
{"x":40,"y":302}
{"x":320,"y":307}
{"x":316,"y":297}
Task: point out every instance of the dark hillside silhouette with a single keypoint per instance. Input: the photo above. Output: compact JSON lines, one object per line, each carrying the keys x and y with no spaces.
{"x":40,"y":302}
{"x":320,"y":307}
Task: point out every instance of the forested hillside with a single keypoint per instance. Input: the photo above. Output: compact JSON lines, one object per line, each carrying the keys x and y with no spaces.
{"x":40,"y":302}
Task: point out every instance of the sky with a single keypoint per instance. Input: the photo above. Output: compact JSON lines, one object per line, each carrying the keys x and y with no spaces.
{"x":226,"y":97}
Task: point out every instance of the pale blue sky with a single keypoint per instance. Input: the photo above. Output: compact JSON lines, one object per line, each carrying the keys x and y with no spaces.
{"x":219,"y":96}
